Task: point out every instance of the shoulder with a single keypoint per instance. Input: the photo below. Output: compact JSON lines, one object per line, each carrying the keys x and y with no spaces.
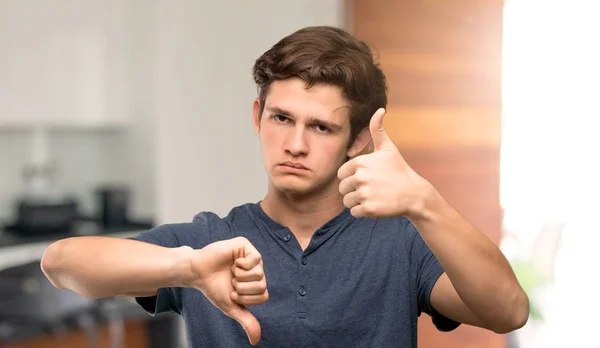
{"x":206,"y":227}
{"x":174,"y":235}
{"x":215,"y":228}
{"x":239,"y":213}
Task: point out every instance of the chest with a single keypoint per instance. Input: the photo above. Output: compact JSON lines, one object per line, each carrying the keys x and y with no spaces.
{"x":350,"y":288}
{"x":346,"y":289}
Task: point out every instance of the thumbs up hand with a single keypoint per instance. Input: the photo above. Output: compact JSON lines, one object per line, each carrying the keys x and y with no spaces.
{"x":381,"y":184}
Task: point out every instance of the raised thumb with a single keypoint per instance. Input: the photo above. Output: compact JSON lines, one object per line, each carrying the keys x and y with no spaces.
{"x":378,"y":133}
{"x":248,"y":322}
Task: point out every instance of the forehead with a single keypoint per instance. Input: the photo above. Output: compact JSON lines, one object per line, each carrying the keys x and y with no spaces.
{"x":320,"y":101}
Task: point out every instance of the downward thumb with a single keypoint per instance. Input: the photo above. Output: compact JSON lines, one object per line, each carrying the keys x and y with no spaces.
{"x":248,"y":322}
{"x":378,"y":133}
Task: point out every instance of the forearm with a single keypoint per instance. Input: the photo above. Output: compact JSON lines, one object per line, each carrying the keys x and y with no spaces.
{"x":479,"y":272}
{"x":99,"y":267}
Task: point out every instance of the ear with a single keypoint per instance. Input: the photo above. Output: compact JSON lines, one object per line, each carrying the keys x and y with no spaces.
{"x":362,"y":144}
{"x":256,"y":115}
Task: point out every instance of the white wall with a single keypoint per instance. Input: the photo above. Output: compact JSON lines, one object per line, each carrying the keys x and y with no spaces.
{"x":83,"y":160}
{"x":52,"y":84}
{"x":189,"y":89}
{"x":208,"y":156}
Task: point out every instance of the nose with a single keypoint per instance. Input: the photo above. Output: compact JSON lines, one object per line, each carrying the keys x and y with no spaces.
{"x":296,"y":143}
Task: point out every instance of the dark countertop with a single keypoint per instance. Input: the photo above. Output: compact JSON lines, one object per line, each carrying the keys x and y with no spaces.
{"x":17,"y":249}
{"x":10,"y":237}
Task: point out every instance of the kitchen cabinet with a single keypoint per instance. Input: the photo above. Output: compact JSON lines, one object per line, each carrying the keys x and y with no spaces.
{"x":63,"y":63}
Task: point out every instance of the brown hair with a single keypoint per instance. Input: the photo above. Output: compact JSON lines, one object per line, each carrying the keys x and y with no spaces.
{"x":329,"y":55}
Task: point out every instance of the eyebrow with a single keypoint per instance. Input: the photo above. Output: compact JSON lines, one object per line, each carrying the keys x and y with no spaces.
{"x":331,"y":125}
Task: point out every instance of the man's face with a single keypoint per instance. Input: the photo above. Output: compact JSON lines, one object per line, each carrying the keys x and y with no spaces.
{"x":304,"y":135}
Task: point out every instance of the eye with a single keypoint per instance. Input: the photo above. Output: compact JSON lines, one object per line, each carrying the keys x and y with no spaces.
{"x":321,"y":129}
{"x":280,"y":118}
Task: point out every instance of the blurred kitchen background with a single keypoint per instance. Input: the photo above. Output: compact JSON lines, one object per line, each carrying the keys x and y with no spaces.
{"x":120,"y":115}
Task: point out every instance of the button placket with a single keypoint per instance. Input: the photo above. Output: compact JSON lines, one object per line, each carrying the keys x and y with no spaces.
{"x":302,"y":291}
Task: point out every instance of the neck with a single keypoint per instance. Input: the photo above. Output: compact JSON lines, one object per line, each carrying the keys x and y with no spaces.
{"x":303,"y":214}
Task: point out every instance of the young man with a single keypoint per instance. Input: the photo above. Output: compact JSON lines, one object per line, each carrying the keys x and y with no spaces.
{"x":346,"y":249}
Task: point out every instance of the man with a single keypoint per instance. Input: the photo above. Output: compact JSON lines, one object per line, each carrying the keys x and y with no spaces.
{"x":346,"y":249}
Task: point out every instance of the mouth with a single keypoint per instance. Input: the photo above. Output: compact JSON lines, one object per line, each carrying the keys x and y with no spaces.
{"x":295,"y":165}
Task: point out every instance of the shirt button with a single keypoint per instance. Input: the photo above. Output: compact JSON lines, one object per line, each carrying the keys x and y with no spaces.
{"x":301,"y":291}
{"x":304,"y":262}
{"x":287,"y":237}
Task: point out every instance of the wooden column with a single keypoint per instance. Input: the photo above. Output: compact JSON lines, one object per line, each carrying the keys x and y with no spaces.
{"x":442,"y":59}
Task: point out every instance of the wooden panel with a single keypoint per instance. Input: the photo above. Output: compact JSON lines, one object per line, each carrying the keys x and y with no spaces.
{"x":467,"y":177}
{"x":440,"y":64}
{"x":434,"y":127}
{"x":468,"y":27}
{"x":441,"y":90}
{"x":135,"y":337}
{"x":442,"y":59}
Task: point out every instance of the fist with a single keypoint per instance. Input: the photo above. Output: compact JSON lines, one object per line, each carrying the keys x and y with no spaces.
{"x":230,"y":274}
{"x":381,"y":184}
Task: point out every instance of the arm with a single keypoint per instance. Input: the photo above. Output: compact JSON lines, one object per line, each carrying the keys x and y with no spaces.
{"x":229,"y":272}
{"x":478,"y":287}
{"x":99,"y":267}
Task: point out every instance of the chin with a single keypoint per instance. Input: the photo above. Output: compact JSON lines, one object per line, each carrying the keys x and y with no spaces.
{"x":297,"y":186}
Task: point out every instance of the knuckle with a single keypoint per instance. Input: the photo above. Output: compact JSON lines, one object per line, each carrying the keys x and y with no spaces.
{"x":240,"y":274}
{"x":241,"y":240}
{"x":366,"y":207}
{"x":370,"y":209}
{"x":340,"y":172}
{"x":258,"y":276}
{"x":241,"y":287}
{"x":346,"y":201}
{"x":360,"y":176}
{"x":360,"y":161}
{"x":236,"y":284}
{"x":362,"y":193}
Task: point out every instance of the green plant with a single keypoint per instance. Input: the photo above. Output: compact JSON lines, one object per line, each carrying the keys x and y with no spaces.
{"x":531,"y":279}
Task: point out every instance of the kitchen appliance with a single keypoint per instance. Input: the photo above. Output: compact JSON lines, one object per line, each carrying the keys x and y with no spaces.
{"x":45,"y":218}
{"x":113,"y":202}
{"x":42,"y":207}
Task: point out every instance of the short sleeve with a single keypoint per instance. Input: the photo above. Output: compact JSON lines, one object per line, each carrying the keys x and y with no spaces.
{"x":426,"y":270}
{"x":205,"y":228}
{"x":167,"y":299}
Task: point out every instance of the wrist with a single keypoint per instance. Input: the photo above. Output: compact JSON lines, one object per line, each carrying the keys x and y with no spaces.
{"x":181,"y":271}
{"x":425,"y":204}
